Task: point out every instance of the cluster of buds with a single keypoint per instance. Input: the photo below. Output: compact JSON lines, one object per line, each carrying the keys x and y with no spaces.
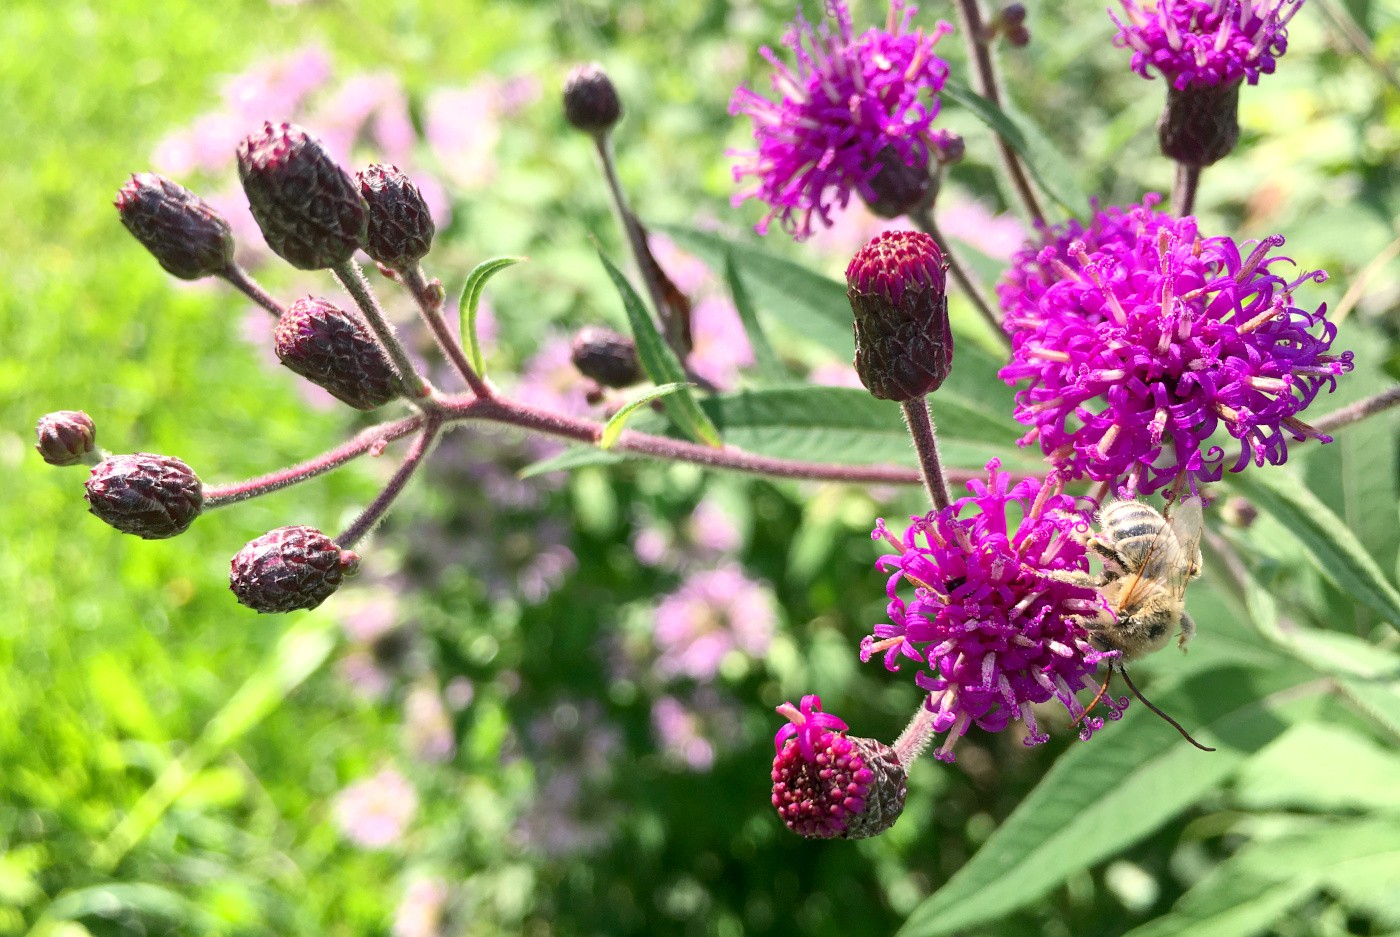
{"x":315,"y":215}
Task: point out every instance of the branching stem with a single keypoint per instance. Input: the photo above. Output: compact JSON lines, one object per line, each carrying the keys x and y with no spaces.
{"x":412,"y":383}
{"x":430,"y":305}
{"x":377,"y":508}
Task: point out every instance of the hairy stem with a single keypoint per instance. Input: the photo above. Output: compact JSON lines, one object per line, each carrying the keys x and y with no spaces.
{"x":430,"y":305}
{"x":1351,"y":413}
{"x":588,"y":432}
{"x":1188,"y":179}
{"x":377,"y":508}
{"x":351,"y":277}
{"x":923,"y":219}
{"x":218,"y":496}
{"x":926,"y":444}
{"x":244,"y":283}
{"x":915,"y":737}
{"x":984,"y":82}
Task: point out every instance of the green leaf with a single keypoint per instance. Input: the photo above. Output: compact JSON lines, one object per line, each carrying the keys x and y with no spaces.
{"x":619,"y":419}
{"x":1104,"y":795}
{"x":142,"y":897}
{"x":812,"y":305}
{"x":660,"y":363}
{"x":1332,"y":547}
{"x":1321,"y":767}
{"x":769,"y":366}
{"x":575,"y":457}
{"x":471,"y":301}
{"x":1052,"y":172}
{"x":847,"y":425}
{"x":1378,"y":699}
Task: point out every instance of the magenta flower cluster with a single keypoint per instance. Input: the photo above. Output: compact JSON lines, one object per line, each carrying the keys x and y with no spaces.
{"x":1205,"y":43}
{"x":820,"y":779}
{"x":852,"y":103}
{"x":1140,"y":339}
{"x":993,"y":628}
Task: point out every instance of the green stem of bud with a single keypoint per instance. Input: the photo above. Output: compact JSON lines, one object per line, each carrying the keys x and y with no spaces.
{"x":414,"y":386}
{"x":926,"y":443}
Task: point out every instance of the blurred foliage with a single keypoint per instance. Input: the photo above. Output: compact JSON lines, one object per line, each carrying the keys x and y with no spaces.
{"x":169,"y":761}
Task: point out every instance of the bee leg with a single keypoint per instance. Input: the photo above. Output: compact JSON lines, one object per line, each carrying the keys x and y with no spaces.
{"x":1111,"y":557}
{"x":1188,"y":631}
{"x":1074,"y":577}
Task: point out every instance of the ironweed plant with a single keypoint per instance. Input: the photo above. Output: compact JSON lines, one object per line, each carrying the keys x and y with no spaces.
{"x":1155,"y":356}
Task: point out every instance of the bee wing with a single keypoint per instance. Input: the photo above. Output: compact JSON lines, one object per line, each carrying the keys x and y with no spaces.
{"x":1169,"y":559}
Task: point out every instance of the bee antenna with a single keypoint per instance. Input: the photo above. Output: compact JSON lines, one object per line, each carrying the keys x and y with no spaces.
{"x":1172,"y":722}
{"x":1098,"y":696}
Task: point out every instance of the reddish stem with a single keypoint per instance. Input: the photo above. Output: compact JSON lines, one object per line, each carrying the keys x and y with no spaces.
{"x":377,"y":508}
{"x":217,"y":496}
{"x":1357,"y":411}
{"x":430,"y":305}
{"x":240,"y":280}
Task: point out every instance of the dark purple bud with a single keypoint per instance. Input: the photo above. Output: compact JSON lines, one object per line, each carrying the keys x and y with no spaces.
{"x":184,"y":232}
{"x":828,"y":784}
{"x":400,"y":226}
{"x":899,"y":188}
{"x":151,"y":496}
{"x":897,"y":286}
{"x":288,"y":569}
{"x":334,"y":349}
{"x":590,"y":100}
{"x":65,"y":437}
{"x":309,"y":209}
{"x":1239,"y":512}
{"x":1200,"y":126}
{"x":1018,"y":36}
{"x":607,"y":357}
{"x":948,"y":147}
{"x":1013,"y":14}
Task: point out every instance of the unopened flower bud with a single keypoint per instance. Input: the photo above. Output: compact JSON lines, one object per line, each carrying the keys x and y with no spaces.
{"x":590,"y":100}
{"x":1238,"y":512}
{"x":184,"y":232}
{"x":309,"y":209}
{"x":898,"y":291}
{"x":948,"y":147}
{"x":1018,"y":36}
{"x":65,"y":437}
{"x":334,"y":349}
{"x":151,"y":496}
{"x":828,"y":784}
{"x":400,"y":225}
{"x":1200,"y":125}
{"x":899,"y":187}
{"x":606,"y":356}
{"x":1013,"y":14}
{"x":288,"y":569}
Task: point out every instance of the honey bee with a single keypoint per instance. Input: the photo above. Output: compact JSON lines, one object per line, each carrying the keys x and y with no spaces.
{"x":1148,"y":562}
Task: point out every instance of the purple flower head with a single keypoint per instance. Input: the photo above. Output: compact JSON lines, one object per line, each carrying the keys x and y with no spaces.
{"x":826,"y":783}
{"x":1140,"y":339}
{"x":854,"y":106}
{"x":995,"y":630}
{"x":1205,"y":43}
{"x":712,"y":613}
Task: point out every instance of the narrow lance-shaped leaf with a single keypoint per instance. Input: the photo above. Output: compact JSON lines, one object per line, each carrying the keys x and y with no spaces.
{"x":768,"y":364}
{"x":471,"y":301}
{"x":661,"y":364}
{"x":1331,"y":545}
{"x":1051,"y":170}
{"x":1106,"y":794}
{"x":619,"y":419}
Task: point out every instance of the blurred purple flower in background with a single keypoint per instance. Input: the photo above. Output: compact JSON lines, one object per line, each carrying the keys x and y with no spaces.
{"x":721,"y":346}
{"x":374,"y":813}
{"x":692,"y":732}
{"x":428,"y":733}
{"x":856,"y":107}
{"x":421,"y":910}
{"x":572,"y":749}
{"x":713,"y":612}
